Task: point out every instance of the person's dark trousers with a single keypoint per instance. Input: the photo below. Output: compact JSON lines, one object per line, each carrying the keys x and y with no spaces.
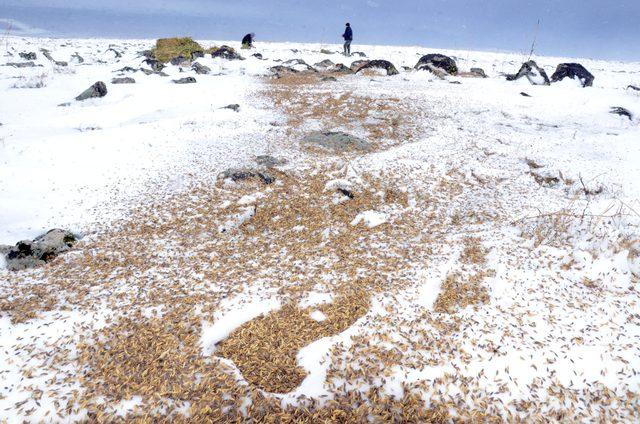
{"x":347,"y":48}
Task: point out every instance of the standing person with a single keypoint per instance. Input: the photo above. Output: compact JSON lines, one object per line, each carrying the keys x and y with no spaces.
{"x":348,"y":38}
{"x":247,"y":41}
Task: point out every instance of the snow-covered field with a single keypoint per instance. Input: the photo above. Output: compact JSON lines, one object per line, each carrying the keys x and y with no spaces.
{"x":486,"y":267}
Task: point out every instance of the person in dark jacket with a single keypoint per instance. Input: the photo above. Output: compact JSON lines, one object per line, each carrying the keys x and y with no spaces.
{"x":348,"y":38}
{"x":247,"y":41}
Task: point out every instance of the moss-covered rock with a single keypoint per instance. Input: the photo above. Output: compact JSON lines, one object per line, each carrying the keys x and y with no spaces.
{"x":171,"y":48}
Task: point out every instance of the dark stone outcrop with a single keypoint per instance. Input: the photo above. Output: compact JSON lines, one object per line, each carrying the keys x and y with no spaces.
{"x":155,"y":65}
{"x":242,"y":174}
{"x":379,"y":64}
{"x":633,"y":87}
{"x":226,"y":52}
{"x":438,"y":61}
{"x":573,"y":70}
{"x":28,"y":55}
{"x":176,"y":61}
{"x":535,"y":74}
{"x":200,"y":68}
{"x":617,"y":110}
{"x":33,"y":253}
{"x":99,"y":89}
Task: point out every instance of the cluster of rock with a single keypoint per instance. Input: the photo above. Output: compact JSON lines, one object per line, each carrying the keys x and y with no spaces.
{"x":537,"y":76}
{"x":37,"y":252}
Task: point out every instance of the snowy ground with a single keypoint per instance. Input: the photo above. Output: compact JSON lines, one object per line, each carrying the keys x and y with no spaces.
{"x":487,"y":266}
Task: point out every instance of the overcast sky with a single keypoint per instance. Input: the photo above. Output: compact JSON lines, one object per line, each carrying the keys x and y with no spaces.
{"x":580,"y":28}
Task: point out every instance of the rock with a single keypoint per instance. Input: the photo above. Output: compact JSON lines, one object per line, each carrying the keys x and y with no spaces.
{"x":185,"y":80}
{"x":180,"y":60}
{"x":455,"y":82}
{"x":438,"y":61}
{"x":117,"y":54}
{"x":336,"y":141}
{"x":479,"y":72}
{"x":279,"y":69}
{"x":328,"y":79}
{"x":22,"y":64}
{"x":355,"y":65}
{"x":154,"y":64}
{"x":234,"y":107}
{"x":150,"y":72}
{"x":99,"y":89}
{"x":127,"y":69}
{"x":125,"y":80}
{"x":146,"y":53}
{"x":407,"y":68}
{"x":299,"y":65}
{"x":28,"y":56}
{"x":270,"y":161}
{"x":324,"y":64}
{"x":633,"y":87}
{"x":196,"y":55}
{"x":77,"y":57}
{"x":359,"y":54}
{"x":65,"y":104}
{"x":339,"y":68}
{"x":573,"y":70}
{"x":535,"y":74}
{"x":523,"y":94}
{"x":243,"y":174}
{"x":43,"y":249}
{"x":379,"y":64}
{"x":46,"y":53}
{"x":200,"y":68}
{"x":617,"y":110}
{"x":325,"y":51}
{"x":257,"y":56}
{"x":225,"y":52}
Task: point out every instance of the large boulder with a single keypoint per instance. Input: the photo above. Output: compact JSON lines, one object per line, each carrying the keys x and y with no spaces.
{"x":574,"y":71}
{"x":33,"y":253}
{"x":379,"y":64}
{"x":99,"y":89}
{"x":337,"y":142}
{"x":433,"y":61}
{"x":535,"y":74}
